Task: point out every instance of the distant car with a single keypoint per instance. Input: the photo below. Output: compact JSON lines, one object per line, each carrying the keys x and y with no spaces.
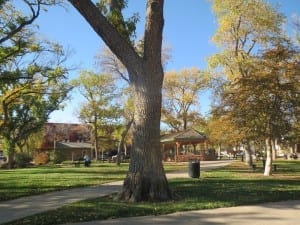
{"x":122,"y":157}
{"x":3,"y":158}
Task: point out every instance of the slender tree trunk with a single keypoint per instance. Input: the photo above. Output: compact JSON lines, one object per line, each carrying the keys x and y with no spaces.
{"x":219,"y":151}
{"x":274,"y":152}
{"x":121,"y":143}
{"x":248,"y":154}
{"x":146,"y":179}
{"x":9,"y":147}
{"x":96,"y":137}
{"x":268,"y":167}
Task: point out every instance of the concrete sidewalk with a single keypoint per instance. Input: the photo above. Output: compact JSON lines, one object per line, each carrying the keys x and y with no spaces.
{"x":276,"y":213}
{"x":26,"y":206}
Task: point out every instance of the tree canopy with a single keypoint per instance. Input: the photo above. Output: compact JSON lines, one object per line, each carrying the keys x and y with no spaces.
{"x":181,"y":91}
{"x":32,"y":75}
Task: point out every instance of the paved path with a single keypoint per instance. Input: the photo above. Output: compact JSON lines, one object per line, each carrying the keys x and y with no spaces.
{"x":22,"y":207}
{"x":278,"y":213}
{"x":26,"y":206}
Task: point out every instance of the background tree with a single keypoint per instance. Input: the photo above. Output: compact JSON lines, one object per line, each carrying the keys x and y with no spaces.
{"x":242,"y":33}
{"x":181,"y":98}
{"x":14,"y":34}
{"x":223,"y":132}
{"x":280,"y":83}
{"x":100,"y":108}
{"x":32,"y":73}
{"x":146,"y":178}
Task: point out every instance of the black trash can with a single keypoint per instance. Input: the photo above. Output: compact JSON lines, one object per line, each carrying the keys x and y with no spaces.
{"x":194,"y":168}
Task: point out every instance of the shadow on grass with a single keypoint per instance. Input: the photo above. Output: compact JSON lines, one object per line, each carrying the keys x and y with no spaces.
{"x":237,"y":191}
{"x":191,"y":194}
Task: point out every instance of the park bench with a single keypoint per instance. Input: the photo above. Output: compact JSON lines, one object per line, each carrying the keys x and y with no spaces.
{"x":274,"y":167}
{"x":77,"y":163}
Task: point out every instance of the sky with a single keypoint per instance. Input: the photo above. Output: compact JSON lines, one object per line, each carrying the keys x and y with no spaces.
{"x":188,"y":29}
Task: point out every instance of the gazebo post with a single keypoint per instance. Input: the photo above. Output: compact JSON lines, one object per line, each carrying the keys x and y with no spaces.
{"x":163,"y":152}
{"x":194,"y":145}
{"x":176,"y":152}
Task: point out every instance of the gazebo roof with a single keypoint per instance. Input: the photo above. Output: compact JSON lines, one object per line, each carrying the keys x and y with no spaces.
{"x":189,"y":135}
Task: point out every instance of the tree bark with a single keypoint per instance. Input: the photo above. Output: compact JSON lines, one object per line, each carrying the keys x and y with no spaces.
{"x":268,"y":167}
{"x":248,"y":154}
{"x":146,"y":179}
{"x":274,"y":151}
{"x":9,"y":147}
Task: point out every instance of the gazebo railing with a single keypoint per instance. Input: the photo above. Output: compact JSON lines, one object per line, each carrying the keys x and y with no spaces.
{"x":185,"y":158}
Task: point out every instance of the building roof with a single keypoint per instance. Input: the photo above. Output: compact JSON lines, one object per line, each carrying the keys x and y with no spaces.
{"x":189,"y":135}
{"x":73,"y":145}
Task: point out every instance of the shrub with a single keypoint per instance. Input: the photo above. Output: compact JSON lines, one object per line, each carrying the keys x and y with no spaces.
{"x":41,"y":158}
{"x":58,"y":156}
{"x":22,"y":159}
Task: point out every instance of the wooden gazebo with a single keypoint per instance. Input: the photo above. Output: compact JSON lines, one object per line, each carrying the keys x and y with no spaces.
{"x":186,"y":145}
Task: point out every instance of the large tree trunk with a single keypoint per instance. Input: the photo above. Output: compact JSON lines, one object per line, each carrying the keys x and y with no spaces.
{"x":146,"y":179}
{"x":268,"y":166}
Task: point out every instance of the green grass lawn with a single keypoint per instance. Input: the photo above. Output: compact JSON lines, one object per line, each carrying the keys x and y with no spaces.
{"x":230,"y":186}
{"x":31,"y":181}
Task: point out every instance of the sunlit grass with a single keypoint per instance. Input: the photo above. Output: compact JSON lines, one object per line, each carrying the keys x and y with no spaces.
{"x":31,"y":181}
{"x":233,"y":185}
{"x":22,"y":182}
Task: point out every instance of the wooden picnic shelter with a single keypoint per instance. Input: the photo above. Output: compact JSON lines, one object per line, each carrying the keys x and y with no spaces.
{"x":186,"y":145}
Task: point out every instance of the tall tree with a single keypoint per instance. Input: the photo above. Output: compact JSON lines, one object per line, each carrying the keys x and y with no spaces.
{"x":100,"y":108}
{"x":146,"y":179}
{"x":181,"y":98}
{"x":32,"y":74}
{"x":245,"y":28}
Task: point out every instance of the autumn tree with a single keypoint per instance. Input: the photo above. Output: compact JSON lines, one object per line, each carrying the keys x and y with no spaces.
{"x":245,"y":28}
{"x":222,"y":131}
{"x":279,"y":83}
{"x":100,"y":108}
{"x":181,"y":92}
{"x":146,"y":179}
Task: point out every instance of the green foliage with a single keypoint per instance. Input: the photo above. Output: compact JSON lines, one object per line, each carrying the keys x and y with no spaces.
{"x":180,"y":98}
{"x":32,"y":74}
{"x":58,"y":156}
{"x":22,"y":159}
{"x":100,"y":107}
{"x":113,"y":12}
